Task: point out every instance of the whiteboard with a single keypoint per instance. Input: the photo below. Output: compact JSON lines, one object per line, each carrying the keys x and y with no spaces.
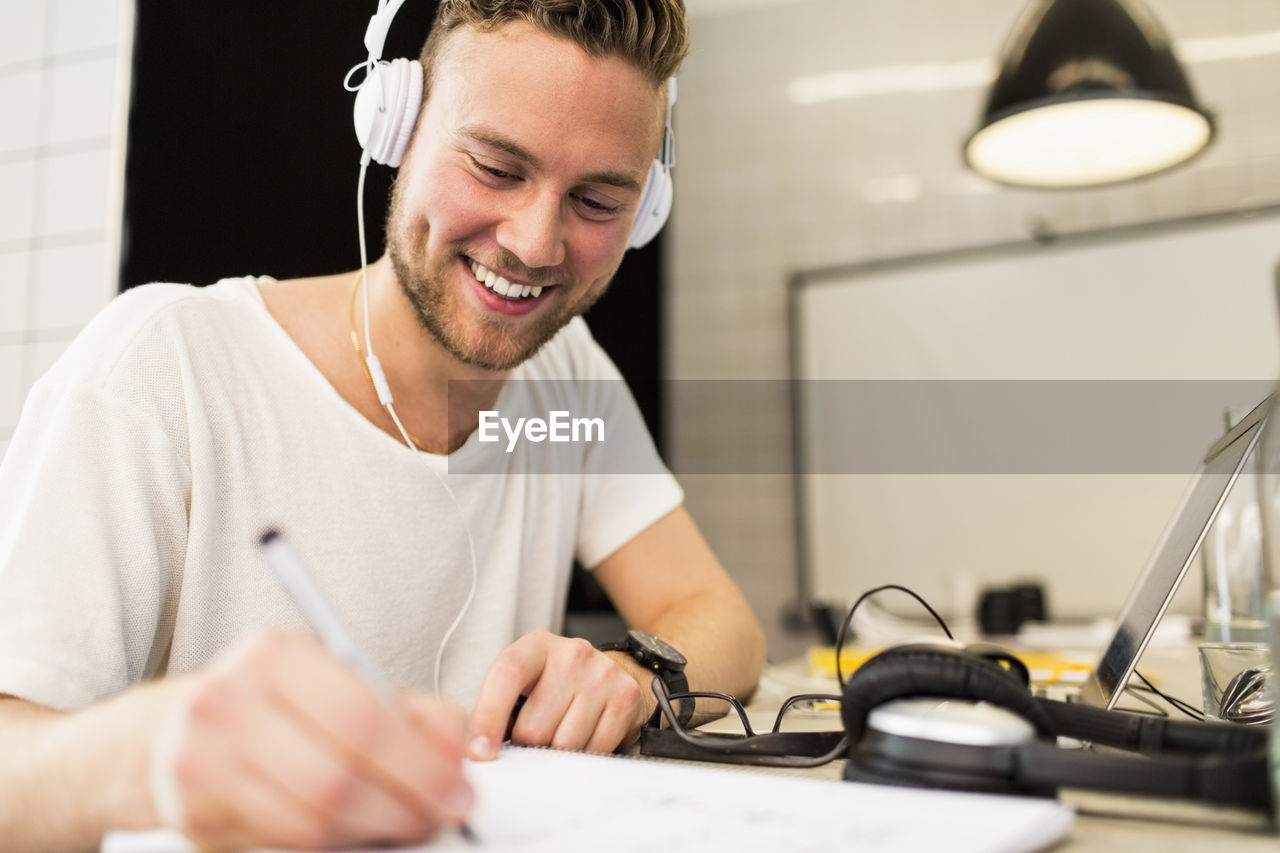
{"x":1171,"y":311}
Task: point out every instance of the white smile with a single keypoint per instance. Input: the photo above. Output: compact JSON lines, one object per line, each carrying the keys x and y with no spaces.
{"x":500,"y":285}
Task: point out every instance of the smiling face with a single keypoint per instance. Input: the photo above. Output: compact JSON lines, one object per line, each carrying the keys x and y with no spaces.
{"x":523,"y":176}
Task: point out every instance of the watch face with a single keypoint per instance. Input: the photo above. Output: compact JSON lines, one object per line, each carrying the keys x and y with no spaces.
{"x":660,"y":651}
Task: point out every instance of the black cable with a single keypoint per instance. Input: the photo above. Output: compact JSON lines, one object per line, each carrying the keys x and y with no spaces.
{"x":848,"y":620}
{"x":1185,"y":707}
{"x":1137,"y":691}
{"x":1181,"y":705}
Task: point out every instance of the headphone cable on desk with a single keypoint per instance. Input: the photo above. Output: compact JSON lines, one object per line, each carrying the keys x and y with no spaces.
{"x":848,"y":620}
{"x":1183,"y":706}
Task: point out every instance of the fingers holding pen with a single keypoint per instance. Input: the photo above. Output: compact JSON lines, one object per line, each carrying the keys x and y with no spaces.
{"x":281,"y":744}
{"x":204,"y":779}
{"x":416,"y":757}
{"x":409,"y":756}
{"x":340,"y":795}
{"x":442,"y":727}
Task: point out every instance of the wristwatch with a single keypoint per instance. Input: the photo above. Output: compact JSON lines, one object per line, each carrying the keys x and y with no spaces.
{"x":658,"y":655}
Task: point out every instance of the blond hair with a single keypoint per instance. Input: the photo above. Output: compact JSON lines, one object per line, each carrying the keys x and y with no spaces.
{"x":649,"y":34}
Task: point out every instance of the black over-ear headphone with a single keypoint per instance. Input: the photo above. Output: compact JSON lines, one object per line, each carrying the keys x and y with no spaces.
{"x":965,"y":719}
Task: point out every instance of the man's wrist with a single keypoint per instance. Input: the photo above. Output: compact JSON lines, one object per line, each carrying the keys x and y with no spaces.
{"x":643,"y":677}
{"x":657,"y":657}
{"x":83,"y":772}
{"x":135,"y":717}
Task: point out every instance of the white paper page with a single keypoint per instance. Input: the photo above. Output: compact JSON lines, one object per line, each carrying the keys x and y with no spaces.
{"x":533,"y":800}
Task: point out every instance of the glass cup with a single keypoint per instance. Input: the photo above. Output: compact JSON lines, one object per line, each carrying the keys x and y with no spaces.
{"x":1235,"y":580}
{"x":1228,"y":669}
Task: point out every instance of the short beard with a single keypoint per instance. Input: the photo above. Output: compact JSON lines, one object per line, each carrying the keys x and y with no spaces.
{"x":427,"y":296}
{"x":492,"y":347}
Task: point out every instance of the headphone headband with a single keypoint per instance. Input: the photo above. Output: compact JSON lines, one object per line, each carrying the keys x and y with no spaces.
{"x":375,"y":34}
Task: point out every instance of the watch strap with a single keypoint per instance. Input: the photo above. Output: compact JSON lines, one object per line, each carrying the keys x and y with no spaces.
{"x":678,"y":682}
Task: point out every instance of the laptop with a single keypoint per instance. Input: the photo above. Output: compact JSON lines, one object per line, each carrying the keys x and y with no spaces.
{"x":1168,"y":565}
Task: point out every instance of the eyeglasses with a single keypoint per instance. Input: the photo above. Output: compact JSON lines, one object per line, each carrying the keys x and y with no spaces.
{"x":780,"y":747}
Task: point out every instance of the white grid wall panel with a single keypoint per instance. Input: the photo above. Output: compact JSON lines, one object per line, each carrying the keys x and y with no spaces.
{"x":63,"y":64}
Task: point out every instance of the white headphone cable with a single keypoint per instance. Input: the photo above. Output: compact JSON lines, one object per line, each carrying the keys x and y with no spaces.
{"x":384,"y":397}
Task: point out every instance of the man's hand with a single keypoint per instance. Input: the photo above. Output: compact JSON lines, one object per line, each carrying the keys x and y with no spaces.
{"x":577,"y":698}
{"x":277,"y":744}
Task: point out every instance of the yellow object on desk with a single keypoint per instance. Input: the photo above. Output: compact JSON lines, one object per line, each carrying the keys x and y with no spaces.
{"x":1044,"y":667}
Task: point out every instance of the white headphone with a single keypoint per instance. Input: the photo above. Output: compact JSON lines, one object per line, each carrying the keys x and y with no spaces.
{"x":387,"y":103}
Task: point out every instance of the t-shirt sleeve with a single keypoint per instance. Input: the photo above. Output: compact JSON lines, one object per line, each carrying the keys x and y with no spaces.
{"x":626,"y":485}
{"x":93,"y":494}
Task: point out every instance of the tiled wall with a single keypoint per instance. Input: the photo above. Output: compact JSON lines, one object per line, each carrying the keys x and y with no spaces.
{"x":63,"y":78}
{"x":766,"y":186}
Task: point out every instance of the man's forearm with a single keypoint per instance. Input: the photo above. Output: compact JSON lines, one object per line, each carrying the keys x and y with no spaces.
{"x":722,"y":640}
{"x":67,"y":778}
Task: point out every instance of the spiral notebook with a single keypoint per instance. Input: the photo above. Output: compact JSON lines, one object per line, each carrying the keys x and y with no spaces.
{"x":533,"y":800}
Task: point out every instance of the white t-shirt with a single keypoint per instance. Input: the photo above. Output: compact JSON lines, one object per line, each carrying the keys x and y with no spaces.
{"x":183,"y":422}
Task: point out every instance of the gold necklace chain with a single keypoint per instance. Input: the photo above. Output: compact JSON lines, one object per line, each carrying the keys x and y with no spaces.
{"x":355,"y":342}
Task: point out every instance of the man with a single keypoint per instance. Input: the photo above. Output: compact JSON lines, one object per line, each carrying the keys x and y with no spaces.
{"x":183,"y":421}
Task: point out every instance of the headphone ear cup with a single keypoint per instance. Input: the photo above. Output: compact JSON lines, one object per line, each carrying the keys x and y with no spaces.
{"x":927,"y":671}
{"x":881,"y":770}
{"x":654,"y":208}
{"x":386,"y":109}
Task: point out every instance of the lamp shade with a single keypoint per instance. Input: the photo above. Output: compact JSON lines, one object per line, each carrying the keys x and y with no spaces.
{"x":1089,"y":93}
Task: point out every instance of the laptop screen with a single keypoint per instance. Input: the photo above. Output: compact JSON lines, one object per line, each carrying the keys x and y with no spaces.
{"x":1168,"y":565}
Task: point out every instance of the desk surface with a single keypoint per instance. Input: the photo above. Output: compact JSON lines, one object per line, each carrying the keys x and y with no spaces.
{"x":1103,"y":821}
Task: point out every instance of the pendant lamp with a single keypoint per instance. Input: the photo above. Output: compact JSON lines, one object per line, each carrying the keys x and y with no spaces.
{"x":1089,"y":94}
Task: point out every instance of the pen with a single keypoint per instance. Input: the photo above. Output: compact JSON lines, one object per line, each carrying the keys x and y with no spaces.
{"x":298,"y":585}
